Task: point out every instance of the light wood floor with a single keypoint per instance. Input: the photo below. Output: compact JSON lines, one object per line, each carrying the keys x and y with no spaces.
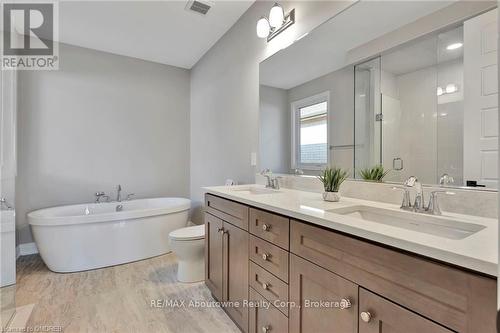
{"x":116,"y":299}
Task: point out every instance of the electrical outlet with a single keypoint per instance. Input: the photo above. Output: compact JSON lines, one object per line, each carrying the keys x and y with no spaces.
{"x":253,"y":159}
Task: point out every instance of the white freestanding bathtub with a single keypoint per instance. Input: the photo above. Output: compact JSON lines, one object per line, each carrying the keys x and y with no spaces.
{"x":87,"y":236}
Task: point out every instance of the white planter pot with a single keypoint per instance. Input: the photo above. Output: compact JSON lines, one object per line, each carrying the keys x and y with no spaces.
{"x":331,"y":196}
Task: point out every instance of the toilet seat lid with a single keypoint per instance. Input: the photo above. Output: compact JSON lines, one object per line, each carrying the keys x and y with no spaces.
{"x":189,"y":233}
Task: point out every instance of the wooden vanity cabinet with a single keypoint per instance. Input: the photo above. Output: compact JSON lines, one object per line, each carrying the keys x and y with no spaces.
{"x":235,"y":288}
{"x":226,"y":257}
{"x":265,"y":319}
{"x":378,"y":315}
{"x":368,"y":288}
{"x":328,"y":302}
{"x":214,"y":276}
{"x":455,"y":298}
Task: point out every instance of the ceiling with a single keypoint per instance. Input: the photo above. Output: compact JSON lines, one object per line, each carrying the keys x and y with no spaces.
{"x":159,"y":31}
{"x":325,"y":49}
{"x":424,"y":53}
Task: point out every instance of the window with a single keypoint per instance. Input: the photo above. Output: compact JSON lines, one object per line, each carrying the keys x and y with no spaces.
{"x":310,"y":132}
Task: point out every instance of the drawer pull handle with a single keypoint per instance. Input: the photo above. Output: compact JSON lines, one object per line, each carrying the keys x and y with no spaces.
{"x":265,"y":286}
{"x":345,"y":303}
{"x":266,"y":328}
{"x":366,"y":316}
{"x":266,"y":256}
{"x":266,"y":227}
{"x":220,"y":230}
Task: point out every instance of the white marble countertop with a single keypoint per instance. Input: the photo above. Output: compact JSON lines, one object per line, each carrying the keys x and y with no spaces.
{"x":477,"y":252}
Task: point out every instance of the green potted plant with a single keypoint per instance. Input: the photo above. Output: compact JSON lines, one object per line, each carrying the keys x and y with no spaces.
{"x":374,"y":174}
{"x":332,"y":178}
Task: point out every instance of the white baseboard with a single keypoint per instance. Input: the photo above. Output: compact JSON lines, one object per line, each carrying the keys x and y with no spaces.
{"x":26,"y":249}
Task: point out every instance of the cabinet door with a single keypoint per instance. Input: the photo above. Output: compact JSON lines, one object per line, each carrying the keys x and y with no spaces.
{"x":235,"y":289}
{"x":319,"y":300}
{"x":378,"y":315}
{"x":213,"y":255}
{"x":265,"y":319}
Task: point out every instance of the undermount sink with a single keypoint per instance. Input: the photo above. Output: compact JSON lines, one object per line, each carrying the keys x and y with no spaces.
{"x":255,"y":190}
{"x":428,"y":224}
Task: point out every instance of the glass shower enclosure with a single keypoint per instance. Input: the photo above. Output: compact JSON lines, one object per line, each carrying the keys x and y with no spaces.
{"x":367,"y":115}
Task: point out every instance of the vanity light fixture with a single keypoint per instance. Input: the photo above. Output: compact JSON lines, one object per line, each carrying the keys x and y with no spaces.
{"x":454,"y":46}
{"x":276,"y":23}
{"x":263,"y":27}
{"x":276,"y":16}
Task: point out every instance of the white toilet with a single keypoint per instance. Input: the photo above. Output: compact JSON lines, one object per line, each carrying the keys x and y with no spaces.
{"x":188,"y":244}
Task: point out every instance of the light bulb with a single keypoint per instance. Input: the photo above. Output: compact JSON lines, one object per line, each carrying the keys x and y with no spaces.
{"x":276,"y":16}
{"x":440,"y":91}
{"x":454,"y":46}
{"x":263,"y":27}
{"x":451,"y":88}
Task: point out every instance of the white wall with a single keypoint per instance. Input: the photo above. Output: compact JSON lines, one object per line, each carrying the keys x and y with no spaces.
{"x":424,"y":130}
{"x":417,"y":95}
{"x":100,"y":120}
{"x":450,"y":122}
{"x":275,"y":129}
{"x":391,"y":130}
{"x":225,"y":95}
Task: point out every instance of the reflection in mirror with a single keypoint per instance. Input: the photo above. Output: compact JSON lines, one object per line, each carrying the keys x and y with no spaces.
{"x":423,"y":98}
{"x":308,"y":126}
{"x":367,"y":109}
{"x":412,"y":90}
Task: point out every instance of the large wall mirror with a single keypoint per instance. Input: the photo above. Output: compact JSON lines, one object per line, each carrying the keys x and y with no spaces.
{"x":409,"y":85}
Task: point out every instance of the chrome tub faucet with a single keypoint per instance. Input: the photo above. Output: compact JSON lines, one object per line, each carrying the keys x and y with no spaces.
{"x":4,"y":203}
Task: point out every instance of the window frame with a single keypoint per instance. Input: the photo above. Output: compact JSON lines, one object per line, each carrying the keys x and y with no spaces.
{"x":295,"y":130}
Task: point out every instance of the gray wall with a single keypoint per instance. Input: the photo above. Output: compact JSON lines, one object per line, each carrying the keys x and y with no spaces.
{"x":341,"y":116}
{"x":225,"y":95}
{"x":100,"y":120}
{"x":275,"y":129}
{"x":275,"y":120}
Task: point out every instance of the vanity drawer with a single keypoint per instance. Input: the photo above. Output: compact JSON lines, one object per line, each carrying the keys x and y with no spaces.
{"x":269,"y":286}
{"x":271,"y":227}
{"x":269,"y":256}
{"x":227,"y":210}
{"x":265,"y":319}
{"x":439,"y":292}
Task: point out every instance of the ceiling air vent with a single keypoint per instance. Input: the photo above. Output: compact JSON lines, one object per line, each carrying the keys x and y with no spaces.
{"x":200,"y":7}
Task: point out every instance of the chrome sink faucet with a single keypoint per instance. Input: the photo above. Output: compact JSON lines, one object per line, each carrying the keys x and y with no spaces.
{"x":119,"y":193}
{"x":419,"y":205}
{"x":413,"y":182}
{"x":298,"y":172}
{"x":101,"y":195}
{"x":433,"y":207}
{"x":406,"y":203}
{"x":271,"y":182}
{"x":446,"y":179}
